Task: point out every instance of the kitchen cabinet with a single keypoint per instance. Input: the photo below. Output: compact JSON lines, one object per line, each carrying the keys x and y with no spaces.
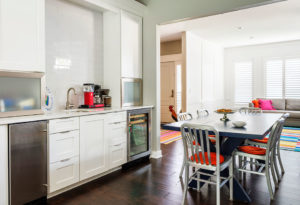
{"x":4,"y":164}
{"x":93,"y":147}
{"x":22,"y":35}
{"x":63,"y":153}
{"x":117,"y":143}
{"x":131,"y":45}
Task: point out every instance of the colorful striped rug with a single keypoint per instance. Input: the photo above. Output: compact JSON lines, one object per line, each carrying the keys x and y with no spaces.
{"x":169,"y":136}
{"x":289,"y":140}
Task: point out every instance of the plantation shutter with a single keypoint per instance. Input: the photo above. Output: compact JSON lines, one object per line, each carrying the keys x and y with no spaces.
{"x":243,"y":82}
{"x":274,"y":78}
{"x":292,"y":78}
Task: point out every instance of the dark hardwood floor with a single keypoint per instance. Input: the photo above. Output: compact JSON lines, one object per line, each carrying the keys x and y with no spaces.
{"x":157,"y":182}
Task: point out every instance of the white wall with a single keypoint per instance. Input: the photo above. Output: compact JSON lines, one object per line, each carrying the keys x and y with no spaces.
{"x":258,"y":54}
{"x":193,"y":72}
{"x":74,"y":50}
{"x":204,"y":64}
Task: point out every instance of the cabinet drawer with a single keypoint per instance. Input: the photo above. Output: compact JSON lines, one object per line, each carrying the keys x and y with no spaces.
{"x":117,"y":117}
{"x":117,"y":155}
{"x":63,"y":125}
{"x":64,"y":173}
{"x":63,"y":145}
{"x":117,"y":133}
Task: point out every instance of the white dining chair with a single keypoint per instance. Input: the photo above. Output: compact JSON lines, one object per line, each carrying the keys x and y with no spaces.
{"x":202,"y":113}
{"x":250,"y":110}
{"x":277,"y":156}
{"x":263,"y":158}
{"x":183,"y":117}
{"x":200,"y":157}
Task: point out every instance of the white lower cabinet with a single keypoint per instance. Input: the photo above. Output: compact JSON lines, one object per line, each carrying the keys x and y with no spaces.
{"x":98,"y":144}
{"x":63,"y":153}
{"x":117,"y":135}
{"x":64,"y":173}
{"x":93,"y":147}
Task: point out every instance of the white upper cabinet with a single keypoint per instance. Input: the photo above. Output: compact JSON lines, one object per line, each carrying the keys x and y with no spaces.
{"x":131,"y":45}
{"x":22,"y":35}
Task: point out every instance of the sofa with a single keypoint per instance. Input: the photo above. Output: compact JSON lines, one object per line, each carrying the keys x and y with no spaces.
{"x":291,"y":106}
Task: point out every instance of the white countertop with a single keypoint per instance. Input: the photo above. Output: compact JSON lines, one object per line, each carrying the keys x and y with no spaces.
{"x":67,"y":113}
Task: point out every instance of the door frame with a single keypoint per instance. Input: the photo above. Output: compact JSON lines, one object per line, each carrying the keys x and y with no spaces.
{"x":178,"y":59}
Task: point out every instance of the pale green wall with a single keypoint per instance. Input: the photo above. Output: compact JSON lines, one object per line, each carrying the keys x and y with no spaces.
{"x":162,"y":11}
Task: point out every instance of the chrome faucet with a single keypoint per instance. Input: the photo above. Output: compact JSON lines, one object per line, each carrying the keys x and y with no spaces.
{"x":68,"y":104}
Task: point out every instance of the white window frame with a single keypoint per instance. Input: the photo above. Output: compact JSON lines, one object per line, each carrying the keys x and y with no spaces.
{"x":283,"y":58}
{"x":242,"y":60}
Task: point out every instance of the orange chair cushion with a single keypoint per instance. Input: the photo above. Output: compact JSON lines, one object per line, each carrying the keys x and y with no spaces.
{"x":253,"y":150}
{"x":265,"y":140}
{"x":213,"y":158}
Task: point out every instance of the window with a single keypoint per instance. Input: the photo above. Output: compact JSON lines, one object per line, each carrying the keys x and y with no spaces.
{"x":274,"y":73}
{"x":283,"y":78}
{"x":243,"y":82}
{"x":292,"y":78}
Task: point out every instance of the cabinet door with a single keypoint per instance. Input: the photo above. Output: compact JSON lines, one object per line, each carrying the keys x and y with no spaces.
{"x":117,"y":143}
{"x":117,"y":154}
{"x":131,"y":45}
{"x":63,"y":173}
{"x":92,"y":146}
{"x":22,"y":35}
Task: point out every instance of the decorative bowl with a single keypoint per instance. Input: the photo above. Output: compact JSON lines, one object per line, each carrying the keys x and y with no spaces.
{"x":225,"y":112}
{"x":239,"y":124}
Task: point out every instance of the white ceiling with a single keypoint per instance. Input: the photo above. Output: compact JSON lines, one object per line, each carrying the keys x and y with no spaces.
{"x":265,"y":24}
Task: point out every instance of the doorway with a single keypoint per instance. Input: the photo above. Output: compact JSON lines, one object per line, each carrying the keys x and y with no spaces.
{"x":171,"y":79}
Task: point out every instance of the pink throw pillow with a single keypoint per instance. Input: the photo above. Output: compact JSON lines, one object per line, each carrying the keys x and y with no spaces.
{"x":265,"y":104}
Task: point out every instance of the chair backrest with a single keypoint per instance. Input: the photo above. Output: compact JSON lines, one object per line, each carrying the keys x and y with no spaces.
{"x":250,"y":110}
{"x":185,"y":116}
{"x":285,"y":115}
{"x":202,"y":113}
{"x":196,"y":142}
{"x":275,"y":135}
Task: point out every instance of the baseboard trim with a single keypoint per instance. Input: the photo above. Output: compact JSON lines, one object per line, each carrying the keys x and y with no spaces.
{"x":73,"y":186}
{"x":156,"y":154}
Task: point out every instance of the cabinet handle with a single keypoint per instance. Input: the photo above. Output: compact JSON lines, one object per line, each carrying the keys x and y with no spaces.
{"x":64,"y":160}
{"x":117,"y":145}
{"x":46,"y":185}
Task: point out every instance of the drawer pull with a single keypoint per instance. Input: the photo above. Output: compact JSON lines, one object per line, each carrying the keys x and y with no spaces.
{"x":117,"y":145}
{"x":65,"y":160}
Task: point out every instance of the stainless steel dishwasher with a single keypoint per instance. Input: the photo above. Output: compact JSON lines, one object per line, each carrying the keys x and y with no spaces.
{"x":28,"y":162}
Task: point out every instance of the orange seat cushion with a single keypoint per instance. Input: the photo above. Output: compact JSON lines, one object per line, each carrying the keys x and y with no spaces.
{"x":213,"y":158}
{"x":253,"y":150}
{"x":265,"y":140}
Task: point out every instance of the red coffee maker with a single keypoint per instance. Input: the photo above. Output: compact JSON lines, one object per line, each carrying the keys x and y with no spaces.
{"x":88,"y":90}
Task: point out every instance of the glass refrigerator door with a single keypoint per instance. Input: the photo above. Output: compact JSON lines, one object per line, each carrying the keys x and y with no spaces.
{"x":138,"y":134}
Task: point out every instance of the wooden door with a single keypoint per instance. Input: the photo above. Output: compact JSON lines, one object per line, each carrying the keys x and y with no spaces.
{"x":168,"y":90}
{"x":93,"y":149}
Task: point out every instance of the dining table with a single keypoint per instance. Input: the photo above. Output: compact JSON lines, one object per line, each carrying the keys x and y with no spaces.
{"x":258,"y":126}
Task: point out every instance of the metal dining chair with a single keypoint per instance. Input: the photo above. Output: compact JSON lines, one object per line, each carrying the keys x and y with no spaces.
{"x":185,"y":116}
{"x":202,"y":113}
{"x":201,"y":157}
{"x":250,"y":110}
{"x":262,"y":157}
{"x":277,"y":157}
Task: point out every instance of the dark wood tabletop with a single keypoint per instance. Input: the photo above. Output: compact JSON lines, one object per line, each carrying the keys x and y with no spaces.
{"x":258,"y":124}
